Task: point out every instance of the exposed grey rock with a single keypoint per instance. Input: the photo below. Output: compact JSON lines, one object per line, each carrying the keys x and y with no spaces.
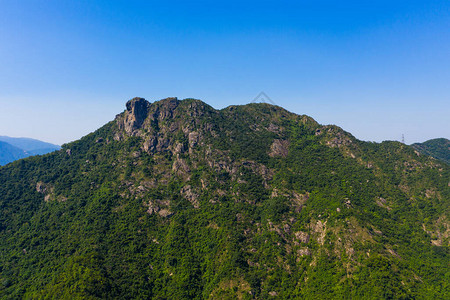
{"x":165,"y":213}
{"x":279,"y":148}
{"x":166,"y":108}
{"x":180,"y":166}
{"x":273,"y":128}
{"x":304,"y":252}
{"x":179,"y":148}
{"x":190,"y":195}
{"x":162,"y":144}
{"x":193,"y":139}
{"x":150,"y":144}
{"x":41,"y":187}
{"x":302,"y":237}
{"x":152,"y":207}
{"x":137,"y":111}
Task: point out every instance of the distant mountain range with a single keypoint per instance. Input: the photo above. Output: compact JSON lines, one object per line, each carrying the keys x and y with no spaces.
{"x":9,"y":153}
{"x":12,"y":148}
{"x":437,"y":148}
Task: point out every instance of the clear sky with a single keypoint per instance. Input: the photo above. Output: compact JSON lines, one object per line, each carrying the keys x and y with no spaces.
{"x":378,"y":69}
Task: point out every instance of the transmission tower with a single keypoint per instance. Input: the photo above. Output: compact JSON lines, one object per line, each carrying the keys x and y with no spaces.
{"x":262,"y":97}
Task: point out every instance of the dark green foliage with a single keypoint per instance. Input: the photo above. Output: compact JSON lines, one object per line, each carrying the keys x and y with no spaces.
{"x":437,"y":148}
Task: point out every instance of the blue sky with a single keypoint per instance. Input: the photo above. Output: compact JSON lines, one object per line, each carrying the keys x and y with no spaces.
{"x":378,"y":69}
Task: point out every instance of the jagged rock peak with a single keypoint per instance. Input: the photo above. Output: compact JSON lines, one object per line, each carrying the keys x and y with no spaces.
{"x":137,"y":103}
{"x":137,"y":111}
{"x":169,"y":99}
{"x":168,"y":105}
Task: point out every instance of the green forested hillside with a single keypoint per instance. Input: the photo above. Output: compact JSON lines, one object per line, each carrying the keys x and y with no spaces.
{"x":177,"y":200}
{"x":437,"y":148}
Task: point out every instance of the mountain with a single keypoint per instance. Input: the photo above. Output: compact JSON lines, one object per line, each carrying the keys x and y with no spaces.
{"x":177,"y":200}
{"x":32,"y":146}
{"x":9,"y":153}
{"x":437,"y":148}
{"x":16,"y":148}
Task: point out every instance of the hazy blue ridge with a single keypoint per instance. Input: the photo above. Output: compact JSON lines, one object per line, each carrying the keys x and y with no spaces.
{"x":12,"y":149}
{"x":30,"y":145}
{"x":41,"y":151}
{"x":9,"y":153}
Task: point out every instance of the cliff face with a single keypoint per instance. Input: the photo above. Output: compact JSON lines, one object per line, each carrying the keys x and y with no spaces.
{"x":137,"y":111}
{"x":174,"y":199}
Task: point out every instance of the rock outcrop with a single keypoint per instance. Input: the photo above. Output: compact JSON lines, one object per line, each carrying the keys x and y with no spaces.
{"x":279,"y":148}
{"x":137,"y":112}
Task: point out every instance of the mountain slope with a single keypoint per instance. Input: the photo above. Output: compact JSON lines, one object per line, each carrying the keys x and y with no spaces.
{"x":177,"y":200}
{"x":12,"y":149}
{"x":437,"y":148}
{"x":29,"y":145}
{"x":9,"y":153}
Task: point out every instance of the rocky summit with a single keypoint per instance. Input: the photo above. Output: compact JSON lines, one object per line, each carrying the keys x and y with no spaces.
{"x":177,"y":200}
